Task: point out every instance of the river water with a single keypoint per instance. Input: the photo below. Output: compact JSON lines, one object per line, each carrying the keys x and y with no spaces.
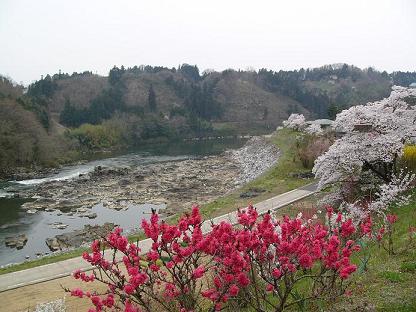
{"x":14,"y":220}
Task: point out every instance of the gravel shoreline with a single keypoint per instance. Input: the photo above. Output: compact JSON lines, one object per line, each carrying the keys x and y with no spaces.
{"x":177,"y":184}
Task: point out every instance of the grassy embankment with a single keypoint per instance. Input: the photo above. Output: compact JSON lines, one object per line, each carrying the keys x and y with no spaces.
{"x":276,"y":181}
{"x":389,"y":282}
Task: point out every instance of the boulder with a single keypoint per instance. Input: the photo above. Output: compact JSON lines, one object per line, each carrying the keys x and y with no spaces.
{"x":124,"y":182}
{"x":53,"y":244}
{"x":91,"y":215}
{"x":303,"y":175}
{"x":139,"y":177}
{"x":68,"y":204}
{"x":17,"y":242}
{"x":252,"y":192}
{"x":77,"y":238}
{"x":59,"y":225}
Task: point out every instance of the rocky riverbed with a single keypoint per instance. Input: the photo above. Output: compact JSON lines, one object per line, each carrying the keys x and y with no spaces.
{"x":177,"y":184}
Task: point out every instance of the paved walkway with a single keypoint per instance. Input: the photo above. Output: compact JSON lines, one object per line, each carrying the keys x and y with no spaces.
{"x":65,"y":268}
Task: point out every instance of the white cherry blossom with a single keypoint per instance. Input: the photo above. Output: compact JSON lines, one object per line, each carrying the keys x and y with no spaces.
{"x":295,"y":121}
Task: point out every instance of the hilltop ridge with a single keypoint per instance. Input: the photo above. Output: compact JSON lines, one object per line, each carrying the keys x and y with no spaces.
{"x":61,"y":115}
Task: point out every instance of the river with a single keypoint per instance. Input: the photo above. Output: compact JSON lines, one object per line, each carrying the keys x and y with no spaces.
{"x":37,"y":227}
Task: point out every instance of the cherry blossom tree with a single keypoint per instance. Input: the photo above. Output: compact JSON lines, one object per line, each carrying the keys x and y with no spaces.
{"x":295,"y":121}
{"x":314,"y":129}
{"x":361,"y":168}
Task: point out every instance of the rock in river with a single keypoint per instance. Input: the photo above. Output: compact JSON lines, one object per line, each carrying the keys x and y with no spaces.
{"x":59,"y":225}
{"x":77,"y":238}
{"x":54,"y":244}
{"x":18,"y":241}
{"x":90,"y":215}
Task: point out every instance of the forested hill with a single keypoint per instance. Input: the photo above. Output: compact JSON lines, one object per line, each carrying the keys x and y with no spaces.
{"x":263,"y":98}
{"x":28,"y":137}
{"x":66,"y":112}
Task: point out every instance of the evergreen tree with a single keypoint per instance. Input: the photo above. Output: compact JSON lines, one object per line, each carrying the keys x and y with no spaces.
{"x":190,"y":72}
{"x":114,"y":77}
{"x":151,"y":99}
{"x":265,"y":113}
{"x":333,"y":110}
{"x":69,"y":115}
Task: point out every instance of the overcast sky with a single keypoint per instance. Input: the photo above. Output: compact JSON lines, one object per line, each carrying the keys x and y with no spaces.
{"x":40,"y":37}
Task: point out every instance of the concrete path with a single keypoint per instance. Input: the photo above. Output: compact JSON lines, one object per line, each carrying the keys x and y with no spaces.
{"x":65,"y":268}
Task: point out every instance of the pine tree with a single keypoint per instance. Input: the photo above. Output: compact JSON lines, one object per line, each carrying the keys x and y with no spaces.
{"x":152,"y":99}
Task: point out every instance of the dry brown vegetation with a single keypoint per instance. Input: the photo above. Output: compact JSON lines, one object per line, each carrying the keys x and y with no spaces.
{"x":309,"y":148}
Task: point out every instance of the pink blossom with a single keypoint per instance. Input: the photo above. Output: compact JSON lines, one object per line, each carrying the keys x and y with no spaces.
{"x":199,"y":272}
{"x":243,"y":280}
{"x":276,"y":273}
{"x":77,"y":292}
{"x":305,"y":261}
{"x":233,"y":290}
{"x":391,"y":218}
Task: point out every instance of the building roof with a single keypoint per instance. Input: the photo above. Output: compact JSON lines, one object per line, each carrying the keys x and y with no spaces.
{"x":412,"y":85}
{"x":321,"y":122}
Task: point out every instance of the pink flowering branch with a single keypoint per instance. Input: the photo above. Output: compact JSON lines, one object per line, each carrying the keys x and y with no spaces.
{"x":249,"y":263}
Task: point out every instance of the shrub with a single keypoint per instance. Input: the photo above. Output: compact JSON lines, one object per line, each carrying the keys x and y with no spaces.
{"x":261,"y":264}
{"x":97,"y":136}
{"x":310,"y":147}
{"x":408,"y":267}
{"x":409,"y":157}
{"x":393,"y":277}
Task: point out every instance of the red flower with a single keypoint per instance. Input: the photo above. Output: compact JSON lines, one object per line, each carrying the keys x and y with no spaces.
{"x":329,"y":211}
{"x":278,"y":248}
{"x":152,"y":255}
{"x":95,"y":246}
{"x":347,"y":228}
{"x":347,"y":271}
{"x":276,"y":273}
{"x":243,"y":280}
{"x":198,"y":272}
{"x":380,"y":233}
{"x":109,"y":301}
{"x":77,"y":292}
{"x":129,"y":289}
{"x":366,"y":226}
{"x":305,"y":261}
{"x":128,"y":307}
{"x":233,"y":291}
{"x":391,"y":219}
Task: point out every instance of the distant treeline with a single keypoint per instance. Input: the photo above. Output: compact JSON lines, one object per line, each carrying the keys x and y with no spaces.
{"x":199,"y":103}
{"x":141,"y":103}
{"x":197,"y":90}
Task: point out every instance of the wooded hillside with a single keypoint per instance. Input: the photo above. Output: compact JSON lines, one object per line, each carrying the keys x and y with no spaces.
{"x":59,"y":115}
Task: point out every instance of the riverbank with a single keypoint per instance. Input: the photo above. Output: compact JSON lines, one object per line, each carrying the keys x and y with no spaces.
{"x":174,"y":185}
{"x":84,"y":156}
{"x":279,"y":178}
{"x":67,"y":267}
{"x":286,"y":175}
